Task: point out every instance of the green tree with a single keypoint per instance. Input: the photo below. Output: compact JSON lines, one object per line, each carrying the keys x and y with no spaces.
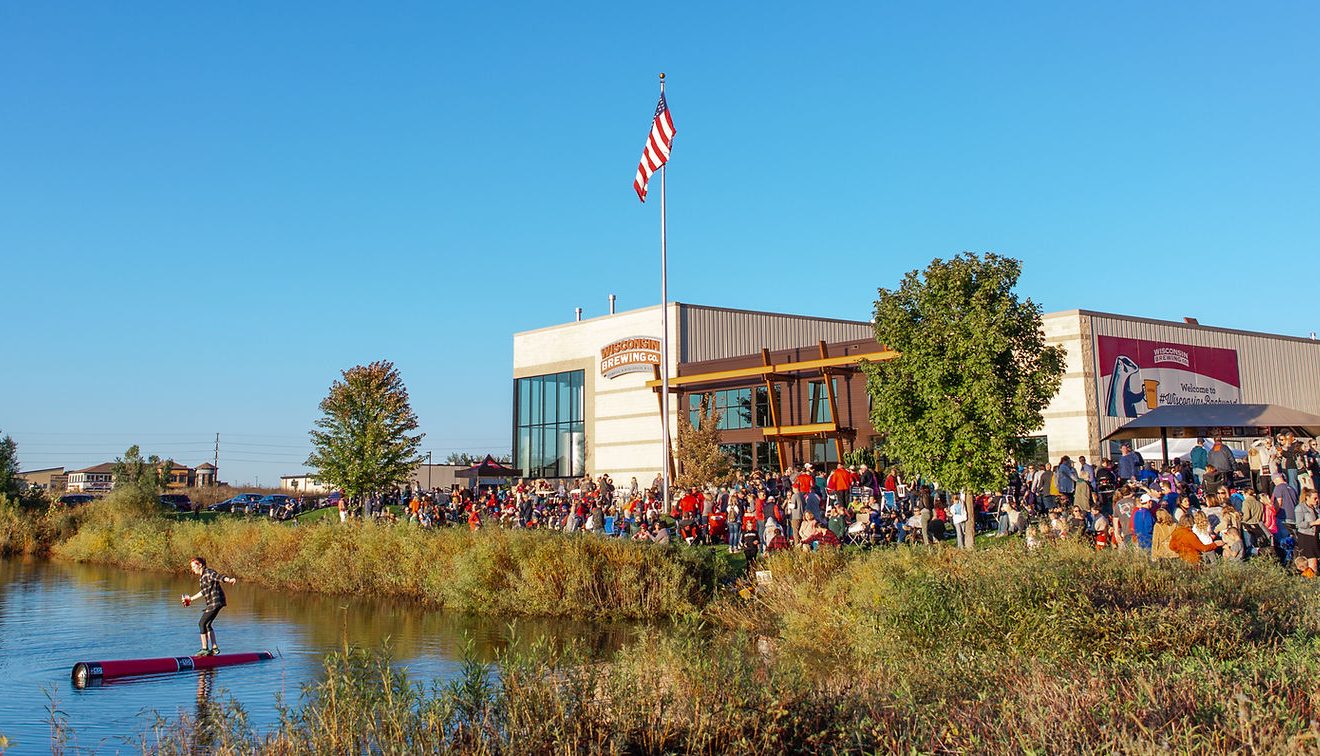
{"x":973,"y":375}
{"x":699,"y":458}
{"x":364,"y":442}
{"x":8,"y":467}
{"x":150,"y":475}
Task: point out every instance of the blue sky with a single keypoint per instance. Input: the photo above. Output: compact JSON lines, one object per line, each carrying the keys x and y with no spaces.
{"x":211,"y":209}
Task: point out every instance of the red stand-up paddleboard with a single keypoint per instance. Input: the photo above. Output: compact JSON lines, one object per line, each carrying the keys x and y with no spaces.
{"x":85,"y":673}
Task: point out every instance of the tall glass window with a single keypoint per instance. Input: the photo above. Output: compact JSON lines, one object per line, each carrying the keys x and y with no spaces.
{"x":819,"y":400}
{"x":549,"y":433}
{"x":734,"y":406}
{"x":740,"y":455}
{"x":764,"y":418}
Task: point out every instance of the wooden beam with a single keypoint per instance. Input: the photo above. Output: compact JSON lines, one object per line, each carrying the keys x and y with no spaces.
{"x":834,"y":404}
{"x":780,"y":367}
{"x":772,"y":399}
{"x":811,"y":429}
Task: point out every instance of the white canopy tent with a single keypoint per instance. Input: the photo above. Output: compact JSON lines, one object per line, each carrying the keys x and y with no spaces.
{"x":1179,"y":448}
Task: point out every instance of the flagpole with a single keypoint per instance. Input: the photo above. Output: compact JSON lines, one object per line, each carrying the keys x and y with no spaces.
{"x":664,"y":334}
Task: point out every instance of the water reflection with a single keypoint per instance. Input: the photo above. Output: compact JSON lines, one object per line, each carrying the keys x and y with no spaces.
{"x":332,"y":622}
{"x":53,"y":614}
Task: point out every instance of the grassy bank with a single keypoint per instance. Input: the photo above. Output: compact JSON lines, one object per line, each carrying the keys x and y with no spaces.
{"x":911,"y":649}
{"x":494,"y":572}
{"x":898,"y":651}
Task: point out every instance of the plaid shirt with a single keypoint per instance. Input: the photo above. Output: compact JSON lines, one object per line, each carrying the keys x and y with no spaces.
{"x":215,"y":595}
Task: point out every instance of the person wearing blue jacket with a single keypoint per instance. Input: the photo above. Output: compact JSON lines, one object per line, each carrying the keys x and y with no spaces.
{"x":1066,"y":477}
{"x":1143,"y":522}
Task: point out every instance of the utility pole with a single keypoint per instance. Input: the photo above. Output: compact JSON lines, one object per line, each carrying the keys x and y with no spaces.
{"x":215,"y":480}
{"x":428,"y":471}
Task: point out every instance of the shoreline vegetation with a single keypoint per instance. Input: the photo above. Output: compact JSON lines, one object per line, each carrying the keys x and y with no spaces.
{"x":498,"y":572}
{"x":916,"y":649}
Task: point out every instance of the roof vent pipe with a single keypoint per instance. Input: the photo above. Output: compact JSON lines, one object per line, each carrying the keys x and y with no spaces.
{"x":612,"y":297}
{"x":579,"y":314}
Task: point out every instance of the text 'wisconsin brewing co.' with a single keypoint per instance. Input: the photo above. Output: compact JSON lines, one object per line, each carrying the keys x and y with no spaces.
{"x":635,"y":354}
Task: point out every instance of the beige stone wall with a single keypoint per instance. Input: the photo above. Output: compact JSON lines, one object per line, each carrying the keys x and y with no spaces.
{"x":621,"y":415}
{"x":1069,"y":423}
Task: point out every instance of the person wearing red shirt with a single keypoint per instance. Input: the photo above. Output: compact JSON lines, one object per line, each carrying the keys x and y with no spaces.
{"x":839,"y":484}
{"x":805,"y":481}
{"x":689,"y":505}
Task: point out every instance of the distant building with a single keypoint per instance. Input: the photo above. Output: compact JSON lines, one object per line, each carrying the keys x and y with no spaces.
{"x":307,"y":483}
{"x":45,"y":479}
{"x":101,"y":477}
{"x":423,"y":476}
{"x":96,"y":478}
{"x":201,"y":476}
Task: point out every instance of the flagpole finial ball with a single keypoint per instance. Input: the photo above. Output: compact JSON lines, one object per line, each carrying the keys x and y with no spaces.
{"x":662,"y":76}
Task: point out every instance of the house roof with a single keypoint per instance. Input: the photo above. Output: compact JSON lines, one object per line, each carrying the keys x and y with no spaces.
{"x":104,"y":467}
{"x":206,"y":466}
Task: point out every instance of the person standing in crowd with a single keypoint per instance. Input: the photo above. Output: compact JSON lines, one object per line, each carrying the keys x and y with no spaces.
{"x":1066,"y":479}
{"x":866,"y":479}
{"x":1143,"y":523}
{"x":1085,"y":471}
{"x":1106,"y":483}
{"x":1129,"y":463}
{"x":1043,"y":486}
{"x":1308,"y":516}
{"x":1082,"y":493}
{"x":1253,"y":511}
{"x":959,"y":514}
{"x":1284,"y":497}
{"x":1262,"y":456}
{"x":1222,"y":458}
{"x":839,"y":484}
{"x":1199,"y":458}
{"x":1290,"y":455}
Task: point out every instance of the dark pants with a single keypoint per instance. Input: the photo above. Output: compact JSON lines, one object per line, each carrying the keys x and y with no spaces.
{"x":208,"y":617}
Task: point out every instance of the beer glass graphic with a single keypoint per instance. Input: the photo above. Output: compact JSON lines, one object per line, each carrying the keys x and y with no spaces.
{"x":1152,"y":393}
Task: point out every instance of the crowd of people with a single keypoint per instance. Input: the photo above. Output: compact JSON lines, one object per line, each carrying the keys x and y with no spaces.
{"x":1209,"y":505}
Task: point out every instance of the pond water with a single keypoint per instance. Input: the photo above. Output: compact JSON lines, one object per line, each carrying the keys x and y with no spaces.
{"x":53,"y":614}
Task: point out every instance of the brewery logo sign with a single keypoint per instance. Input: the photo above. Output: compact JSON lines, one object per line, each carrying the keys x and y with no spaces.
{"x":1135,"y":376}
{"x":635,"y":354}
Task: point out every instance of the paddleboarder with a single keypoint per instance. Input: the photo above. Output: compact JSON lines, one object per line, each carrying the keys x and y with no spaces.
{"x":214,"y":593}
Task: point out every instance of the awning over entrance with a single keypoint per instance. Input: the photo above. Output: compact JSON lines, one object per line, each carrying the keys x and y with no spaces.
{"x":1226,"y":420}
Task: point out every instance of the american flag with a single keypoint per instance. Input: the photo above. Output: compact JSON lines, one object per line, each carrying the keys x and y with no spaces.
{"x":656,"y":152}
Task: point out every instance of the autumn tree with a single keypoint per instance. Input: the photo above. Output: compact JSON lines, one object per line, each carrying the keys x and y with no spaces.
{"x":973,"y":375}
{"x":364,"y":443}
{"x":699,"y":458}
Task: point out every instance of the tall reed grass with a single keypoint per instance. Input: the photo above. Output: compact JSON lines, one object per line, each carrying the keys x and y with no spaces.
{"x":492,"y":571}
{"x":1061,"y":650}
{"x":692,"y":695}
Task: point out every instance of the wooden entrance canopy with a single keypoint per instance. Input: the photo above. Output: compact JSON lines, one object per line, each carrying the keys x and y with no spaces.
{"x":776,"y":372}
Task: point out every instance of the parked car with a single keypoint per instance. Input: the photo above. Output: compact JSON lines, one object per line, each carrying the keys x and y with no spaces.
{"x":74,"y":499}
{"x":275,"y":505}
{"x":237,"y":503}
{"x":177,"y":502}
